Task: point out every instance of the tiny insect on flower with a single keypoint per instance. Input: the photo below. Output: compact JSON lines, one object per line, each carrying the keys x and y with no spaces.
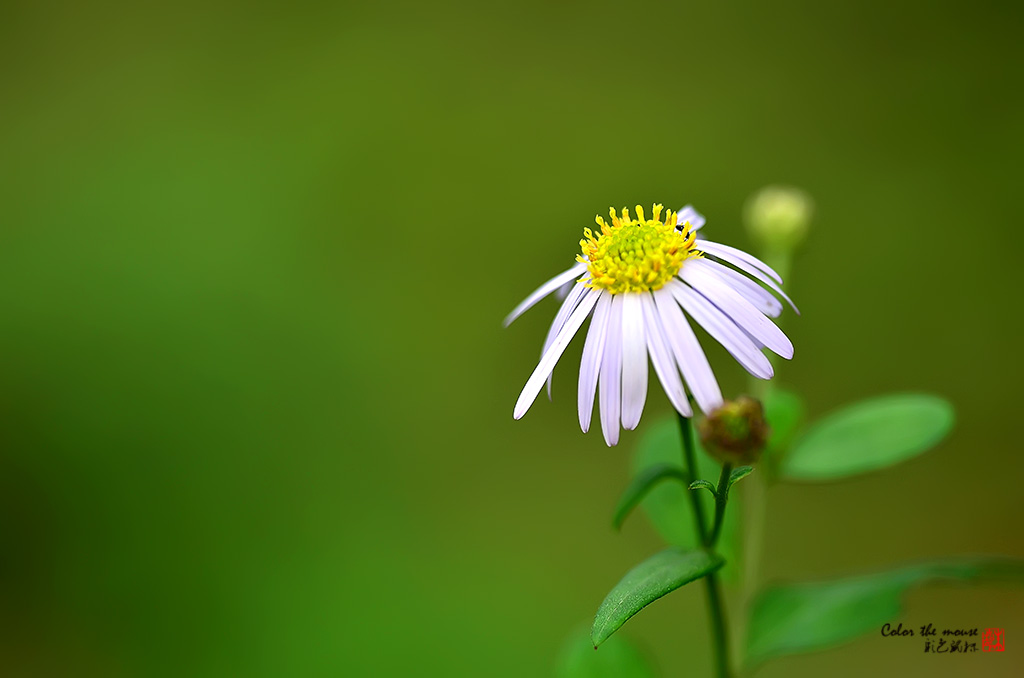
{"x":639,"y":279}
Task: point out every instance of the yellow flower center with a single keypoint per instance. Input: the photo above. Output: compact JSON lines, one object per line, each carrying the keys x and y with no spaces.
{"x":636,"y":255}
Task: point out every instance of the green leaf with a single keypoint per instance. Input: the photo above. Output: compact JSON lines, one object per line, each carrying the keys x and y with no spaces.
{"x":660,"y":574}
{"x":705,"y":484}
{"x":785,"y":412}
{"x":739,"y":474}
{"x":867,"y":436}
{"x":617,"y":658}
{"x":641,"y":485}
{"x":803,"y":617}
{"x":668,"y":506}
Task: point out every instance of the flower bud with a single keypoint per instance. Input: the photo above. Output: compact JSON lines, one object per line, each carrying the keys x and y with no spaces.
{"x":778,"y":217}
{"x":736,"y":432}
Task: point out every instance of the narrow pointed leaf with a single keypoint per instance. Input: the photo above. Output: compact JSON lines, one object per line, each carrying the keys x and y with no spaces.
{"x":617,"y":658}
{"x":668,"y":505}
{"x":803,"y":617}
{"x":870,"y":435}
{"x":703,"y":484}
{"x":739,"y":474}
{"x":660,"y":574}
{"x":641,"y":485}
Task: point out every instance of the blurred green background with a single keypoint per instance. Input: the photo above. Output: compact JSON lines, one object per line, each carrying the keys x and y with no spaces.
{"x":255,"y":397}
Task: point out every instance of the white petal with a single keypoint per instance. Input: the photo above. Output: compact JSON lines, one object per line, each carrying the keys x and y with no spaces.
{"x":544,"y":290}
{"x":744,"y":314}
{"x":567,"y":307}
{"x":719,"y":326}
{"x":728,"y":253}
{"x":634,"y":360}
{"x":744,"y":266}
{"x":590,"y":364}
{"x":695,"y":218}
{"x":661,"y":356}
{"x":611,"y":373}
{"x":753,"y":340}
{"x":562,"y":292}
{"x":547,"y":362}
{"x":761,"y":298}
{"x":689,"y":355}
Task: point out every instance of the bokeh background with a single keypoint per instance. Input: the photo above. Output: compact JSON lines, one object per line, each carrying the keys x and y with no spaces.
{"x":255,"y":396}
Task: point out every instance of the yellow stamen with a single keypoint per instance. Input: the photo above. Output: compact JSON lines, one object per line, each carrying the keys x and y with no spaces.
{"x":636,"y":255}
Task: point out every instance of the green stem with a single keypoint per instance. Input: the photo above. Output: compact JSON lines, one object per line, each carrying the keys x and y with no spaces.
{"x":721,"y":497}
{"x":754,"y":505}
{"x":716,"y":609}
{"x":690,"y":460}
{"x":718,"y":629}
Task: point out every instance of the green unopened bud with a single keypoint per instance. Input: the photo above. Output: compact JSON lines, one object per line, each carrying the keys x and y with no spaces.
{"x":778,"y":217}
{"x":736,"y":432}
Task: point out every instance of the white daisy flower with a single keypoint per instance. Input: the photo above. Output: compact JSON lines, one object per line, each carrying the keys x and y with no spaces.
{"x":640,"y":279}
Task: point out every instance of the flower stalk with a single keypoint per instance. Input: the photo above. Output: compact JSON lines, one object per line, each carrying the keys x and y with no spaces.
{"x":690,"y":461}
{"x":721,"y":497}
{"x":716,"y":607}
